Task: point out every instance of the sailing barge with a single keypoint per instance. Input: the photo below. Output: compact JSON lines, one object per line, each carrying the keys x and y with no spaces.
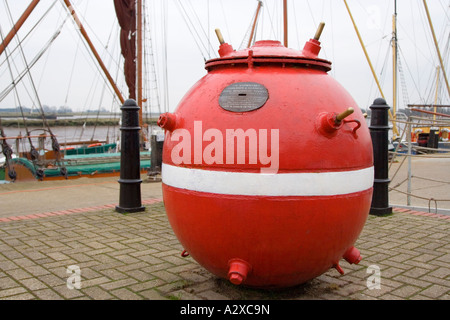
{"x":80,"y":158}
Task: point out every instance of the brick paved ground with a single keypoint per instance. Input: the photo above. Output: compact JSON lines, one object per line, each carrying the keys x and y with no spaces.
{"x":137,"y":256}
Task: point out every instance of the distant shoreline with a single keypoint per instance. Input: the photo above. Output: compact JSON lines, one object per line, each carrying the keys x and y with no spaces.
{"x":5,"y":122}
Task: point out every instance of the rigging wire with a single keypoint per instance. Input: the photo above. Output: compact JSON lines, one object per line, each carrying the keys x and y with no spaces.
{"x":323,"y":50}
{"x":165,"y":59}
{"x":226,"y":21}
{"x":205,"y":33}
{"x":48,"y":54}
{"x":29,"y":32}
{"x":55,"y":144}
{"x":402,"y":79}
{"x":28,"y":70}
{"x":93,"y":34}
{"x":21,"y":41}
{"x":272,"y":28}
{"x":384,"y":66}
{"x":246,"y":38}
{"x":297,"y":33}
{"x":7,"y":151}
{"x":19,"y":77}
{"x":197,"y":39}
{"x":104,"y":87}
{"x":332,"y":36}
{"x":409,"y":71}
{"x":17,"y":96}
{"x":72,"y":70}
{"x":430,"y":46}
{"x":149,"y":61}
{"x":92,"y":58}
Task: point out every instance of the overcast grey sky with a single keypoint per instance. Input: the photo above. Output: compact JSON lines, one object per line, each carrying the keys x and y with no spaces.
{"x":67,"y":75}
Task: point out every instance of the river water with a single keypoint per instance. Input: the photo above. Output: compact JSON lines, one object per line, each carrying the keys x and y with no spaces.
{"x":109,"y":134}
{"x":65,"y":134}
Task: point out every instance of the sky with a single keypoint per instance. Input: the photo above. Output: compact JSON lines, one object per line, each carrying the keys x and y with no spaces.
{"x":180,"y":37}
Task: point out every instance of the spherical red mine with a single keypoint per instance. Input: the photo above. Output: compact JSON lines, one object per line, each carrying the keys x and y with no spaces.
{"x":262,"y":184}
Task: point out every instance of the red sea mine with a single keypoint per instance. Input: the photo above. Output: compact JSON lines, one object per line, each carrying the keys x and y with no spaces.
{"x":267,"y":167}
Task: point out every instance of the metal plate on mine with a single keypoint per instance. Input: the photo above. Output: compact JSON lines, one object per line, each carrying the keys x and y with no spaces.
{"x":243,"y":96}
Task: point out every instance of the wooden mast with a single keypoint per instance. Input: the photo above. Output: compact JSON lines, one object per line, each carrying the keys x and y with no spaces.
{"x":437,"y":92}
{"x":436,"y":45}
{"x":394,"y":63}
{"x":394,"y":127}
{"x":139,"y":60}
{"x":254,"y":24}
{"x":365,"y":51}
{"x":94,"y":51}
{"x":18,"y":25}
{"x":285,"y":19}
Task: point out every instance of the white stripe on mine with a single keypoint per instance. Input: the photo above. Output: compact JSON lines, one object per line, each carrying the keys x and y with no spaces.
{"x":259,"y":184}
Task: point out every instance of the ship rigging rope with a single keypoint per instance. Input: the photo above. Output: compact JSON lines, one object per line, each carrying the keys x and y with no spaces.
{"x":72,"y":70}
{"x":205,"y":33}
{"x":197,"y":39}
{"x":92,"y":32}
{"x":150,"y":78}
{"x":110,"y":62}
{"x":298,"y":28}
{"x":91,"y":56}
{"x":34,"y":153}
{"x":101,"y":98}
{"x":226,"y":21}
{"x":20,"y":76}
{"x":410,"y":73}
{"x":7,"y":152}
{"x":429,"y":199}
{"x":30,"y":31}
{"x":246,"y":38}
{"x":272,"y":29}
{"x":402,"y":79}
{"x":433,"y":180}
{"x":55,"y":144}
{"x":29,"y":72}
{"x":416,"y":196}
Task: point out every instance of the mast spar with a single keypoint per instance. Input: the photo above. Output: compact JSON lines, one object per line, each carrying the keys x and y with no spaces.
{"x":18,"y":25}
{"x":285,"y":16}
{"x":139,"y":60}
{"x":394,"y":62}
{"x":254,"y":24}
{"x":436,"y":45}
{"x":94,"y":51}
{"x":394,"y":127}
{"x":130,"y":16}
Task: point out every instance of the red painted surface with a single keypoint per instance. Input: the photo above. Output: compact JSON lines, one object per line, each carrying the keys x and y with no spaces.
{"x":286,"y":240}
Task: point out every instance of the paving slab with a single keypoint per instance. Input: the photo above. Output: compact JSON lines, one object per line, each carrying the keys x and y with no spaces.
{"x":49,"y":229}
{"x":430,"y":183}
{"x":60,"y":196}
{"x":137,"y":256}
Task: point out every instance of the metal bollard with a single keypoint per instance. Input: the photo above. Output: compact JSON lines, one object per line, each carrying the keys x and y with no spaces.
{"x":379,"y":131}
{"x":130,"y":175}
{"x":157,"y":143}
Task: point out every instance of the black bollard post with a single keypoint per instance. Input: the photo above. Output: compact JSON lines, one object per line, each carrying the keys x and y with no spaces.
{"x":379,"y":131}
{"x":130,"y":175}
